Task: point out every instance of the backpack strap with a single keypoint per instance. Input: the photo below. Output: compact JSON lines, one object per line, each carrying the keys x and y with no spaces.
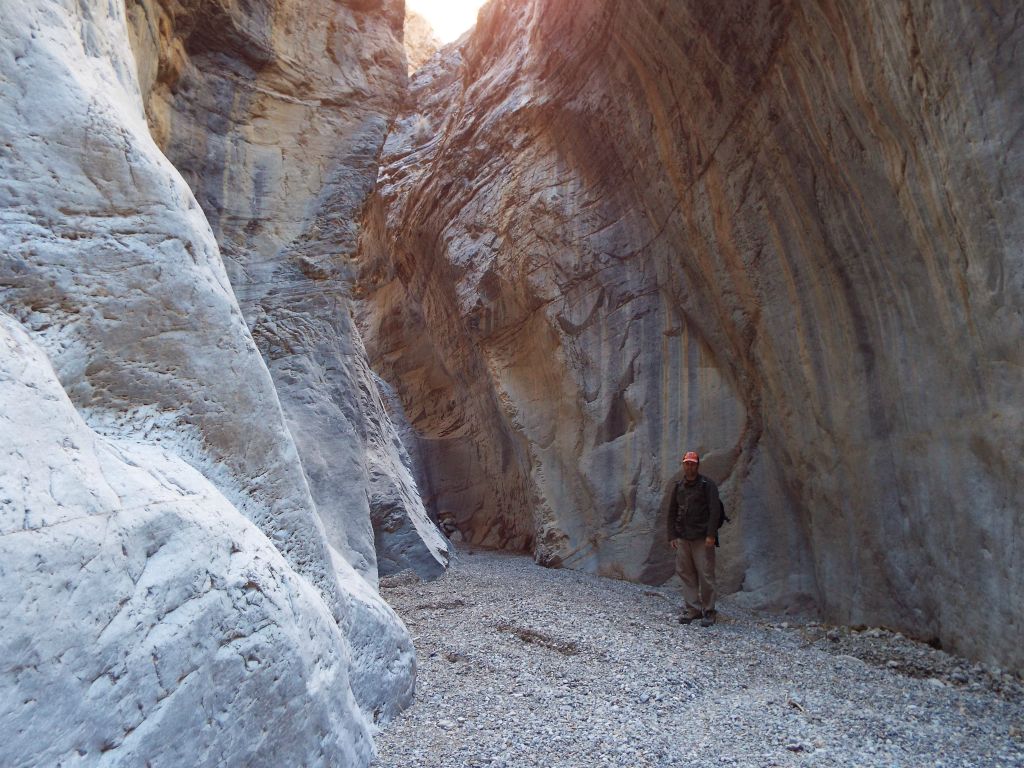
{"x":674,"y":509}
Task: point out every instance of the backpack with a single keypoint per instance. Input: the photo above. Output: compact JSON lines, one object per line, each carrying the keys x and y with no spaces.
{"x":721,"y":508}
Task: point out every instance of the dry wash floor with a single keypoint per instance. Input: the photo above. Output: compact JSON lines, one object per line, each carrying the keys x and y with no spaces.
{"x":524,"y":666}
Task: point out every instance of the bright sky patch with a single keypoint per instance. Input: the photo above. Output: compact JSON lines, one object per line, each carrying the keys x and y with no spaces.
{"x":449,"y":18}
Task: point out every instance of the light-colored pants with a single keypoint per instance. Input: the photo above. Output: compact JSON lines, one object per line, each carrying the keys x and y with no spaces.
{"x":695,"y":564}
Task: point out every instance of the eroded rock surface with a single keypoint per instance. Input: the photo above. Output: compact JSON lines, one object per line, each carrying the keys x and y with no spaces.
{"x":111,"y":267}
{"x":786,"y":235}
{"x":275,"y":113}
{"x":143,"y":619}
{"x":411,"y":540}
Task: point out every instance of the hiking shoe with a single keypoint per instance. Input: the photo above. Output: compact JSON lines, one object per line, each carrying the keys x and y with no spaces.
{"x":708,"y":619}
{"x":684,"y":619}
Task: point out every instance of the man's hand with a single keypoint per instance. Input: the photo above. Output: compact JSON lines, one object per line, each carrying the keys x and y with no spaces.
{"x":709,"y":541}
{"x":674,"y":543}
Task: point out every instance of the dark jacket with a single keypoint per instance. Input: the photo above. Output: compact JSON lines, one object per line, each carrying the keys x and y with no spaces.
{"x":694,"y":511}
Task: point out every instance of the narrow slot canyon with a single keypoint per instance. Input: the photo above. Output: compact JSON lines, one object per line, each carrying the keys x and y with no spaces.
{"x":350,"y":363}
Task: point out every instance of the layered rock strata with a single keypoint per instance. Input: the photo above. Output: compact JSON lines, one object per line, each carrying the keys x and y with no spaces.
{"x":171,"y":592}
{"x":275,"y":113}
{"x":785,"y":234}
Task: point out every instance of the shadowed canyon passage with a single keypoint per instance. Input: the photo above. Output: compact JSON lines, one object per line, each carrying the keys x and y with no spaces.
{"x":269,"y":304}
{"x":784,"y":234}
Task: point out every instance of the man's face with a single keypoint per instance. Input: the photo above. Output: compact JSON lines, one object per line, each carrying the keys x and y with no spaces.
{"x":690,"y":469}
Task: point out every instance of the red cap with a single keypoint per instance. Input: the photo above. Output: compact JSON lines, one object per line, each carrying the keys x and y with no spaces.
{"x":691,"y":456}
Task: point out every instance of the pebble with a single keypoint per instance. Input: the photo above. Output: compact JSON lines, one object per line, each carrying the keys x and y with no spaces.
{"x":563,"y":669}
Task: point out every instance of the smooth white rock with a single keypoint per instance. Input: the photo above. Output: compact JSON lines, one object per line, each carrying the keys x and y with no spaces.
{"x":143,"y":619}
{"x":281,"y":151}
{"x":108,"y":262}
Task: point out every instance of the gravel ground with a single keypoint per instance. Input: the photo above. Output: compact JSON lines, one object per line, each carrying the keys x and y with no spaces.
{"x":524,"y":666}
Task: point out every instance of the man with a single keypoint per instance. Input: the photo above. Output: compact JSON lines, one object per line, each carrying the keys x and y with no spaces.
{"x":694,"y":515}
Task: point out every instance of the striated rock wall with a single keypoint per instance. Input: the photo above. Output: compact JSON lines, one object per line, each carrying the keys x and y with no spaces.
{"x":785,"y":234}
{"x":275,"y":113}
{"x":172,"y":591}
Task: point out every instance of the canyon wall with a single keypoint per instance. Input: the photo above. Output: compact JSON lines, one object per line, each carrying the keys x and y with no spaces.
{"x":420,"y":40}
{"x":785,"y":234}
{"x":173,"y":592}
{"x":275,"y":113}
